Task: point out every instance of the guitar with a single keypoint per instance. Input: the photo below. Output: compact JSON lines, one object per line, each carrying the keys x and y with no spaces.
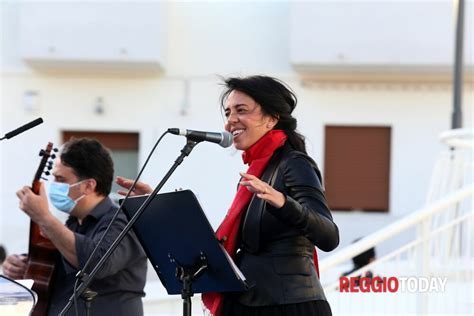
{"x":42,"y":254}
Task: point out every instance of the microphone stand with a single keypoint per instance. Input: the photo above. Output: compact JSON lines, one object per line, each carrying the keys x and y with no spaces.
{"x":87,"y":278}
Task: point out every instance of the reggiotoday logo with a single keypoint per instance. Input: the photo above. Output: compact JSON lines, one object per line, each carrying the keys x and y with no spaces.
{"x":392,"y":284}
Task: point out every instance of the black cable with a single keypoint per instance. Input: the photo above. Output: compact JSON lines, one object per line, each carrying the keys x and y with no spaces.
{"x":132,"y":188}
{"x":86,"y":278}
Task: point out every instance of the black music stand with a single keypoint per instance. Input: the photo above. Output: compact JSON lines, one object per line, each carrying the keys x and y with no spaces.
{"x":182,"y":247}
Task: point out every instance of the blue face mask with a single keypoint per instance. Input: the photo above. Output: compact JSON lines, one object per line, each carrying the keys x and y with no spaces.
{"x":59,"y":196}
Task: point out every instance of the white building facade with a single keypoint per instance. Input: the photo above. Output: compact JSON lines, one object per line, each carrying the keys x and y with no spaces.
{"x":155,"y":65}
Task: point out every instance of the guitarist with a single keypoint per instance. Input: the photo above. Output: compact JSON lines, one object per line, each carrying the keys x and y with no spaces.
{"x":83,"y":177}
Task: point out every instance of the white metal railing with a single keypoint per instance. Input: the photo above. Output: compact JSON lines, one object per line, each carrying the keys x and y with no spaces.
{"x":454,"y":167}
{"x":440,"y":247}
{"x":389,"y":231}
{"x":458,"y":138}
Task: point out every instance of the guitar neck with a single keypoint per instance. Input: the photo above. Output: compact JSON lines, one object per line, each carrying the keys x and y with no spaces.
{"x":42,"y":254}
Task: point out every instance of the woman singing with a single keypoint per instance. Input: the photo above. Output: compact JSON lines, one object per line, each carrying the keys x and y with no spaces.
{"x":279,"y":212}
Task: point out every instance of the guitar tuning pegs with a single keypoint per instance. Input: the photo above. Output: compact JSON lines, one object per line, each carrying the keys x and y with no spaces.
{"x":53,"y":156}
{"x":47,"y":173}
{"x":49,"y":167}
{"x":55,"y":150}
{"x":42,"y":152}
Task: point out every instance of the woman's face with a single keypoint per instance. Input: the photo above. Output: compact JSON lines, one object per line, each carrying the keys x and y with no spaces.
{"x":245,"y":120}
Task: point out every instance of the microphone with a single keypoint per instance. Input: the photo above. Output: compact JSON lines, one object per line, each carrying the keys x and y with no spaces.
{"x":222,"y":138}
{"x":23,"y":128}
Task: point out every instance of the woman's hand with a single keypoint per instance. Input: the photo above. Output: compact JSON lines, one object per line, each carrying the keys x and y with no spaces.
{"x":263,"y":190}
{"x":140,"y":189}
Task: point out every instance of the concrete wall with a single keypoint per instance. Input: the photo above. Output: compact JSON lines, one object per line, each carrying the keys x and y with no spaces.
{"x":205,"y":40}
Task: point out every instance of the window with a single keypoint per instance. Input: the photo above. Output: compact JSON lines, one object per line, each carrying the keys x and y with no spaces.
{"x":357,"y":167}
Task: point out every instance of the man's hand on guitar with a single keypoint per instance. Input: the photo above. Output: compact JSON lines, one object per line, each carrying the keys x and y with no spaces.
{"x":140,"y":189}
{"x":14,"y":266}
{"x":35,"y":206}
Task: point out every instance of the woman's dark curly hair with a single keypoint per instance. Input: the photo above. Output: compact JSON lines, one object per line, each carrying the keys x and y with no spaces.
{"x":276,"y":100}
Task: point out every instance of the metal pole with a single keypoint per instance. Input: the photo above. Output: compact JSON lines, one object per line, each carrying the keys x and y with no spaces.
{"x":458,"y":67}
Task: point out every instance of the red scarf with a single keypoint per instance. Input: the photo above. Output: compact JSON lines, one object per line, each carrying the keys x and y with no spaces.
{"x":257,"y":157}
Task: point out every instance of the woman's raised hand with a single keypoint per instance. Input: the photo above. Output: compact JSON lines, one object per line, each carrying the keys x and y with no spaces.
{"x":262,"y":189}
{"x":140,"y":189}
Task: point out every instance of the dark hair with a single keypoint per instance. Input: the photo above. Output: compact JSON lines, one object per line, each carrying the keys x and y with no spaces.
{"x":3,"y":254}
{"x":363,"y":258}
{"x":89,"y":159}
{"x":275,"y":98}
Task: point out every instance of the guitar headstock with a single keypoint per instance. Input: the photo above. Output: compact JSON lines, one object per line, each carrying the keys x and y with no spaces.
{"x":46,"y":164}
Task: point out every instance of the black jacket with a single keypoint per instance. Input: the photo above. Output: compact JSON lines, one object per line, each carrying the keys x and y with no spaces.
{"x":276,"y":252}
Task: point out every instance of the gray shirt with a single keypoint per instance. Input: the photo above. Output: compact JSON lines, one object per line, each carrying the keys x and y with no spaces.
{"x":121,"y":280}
